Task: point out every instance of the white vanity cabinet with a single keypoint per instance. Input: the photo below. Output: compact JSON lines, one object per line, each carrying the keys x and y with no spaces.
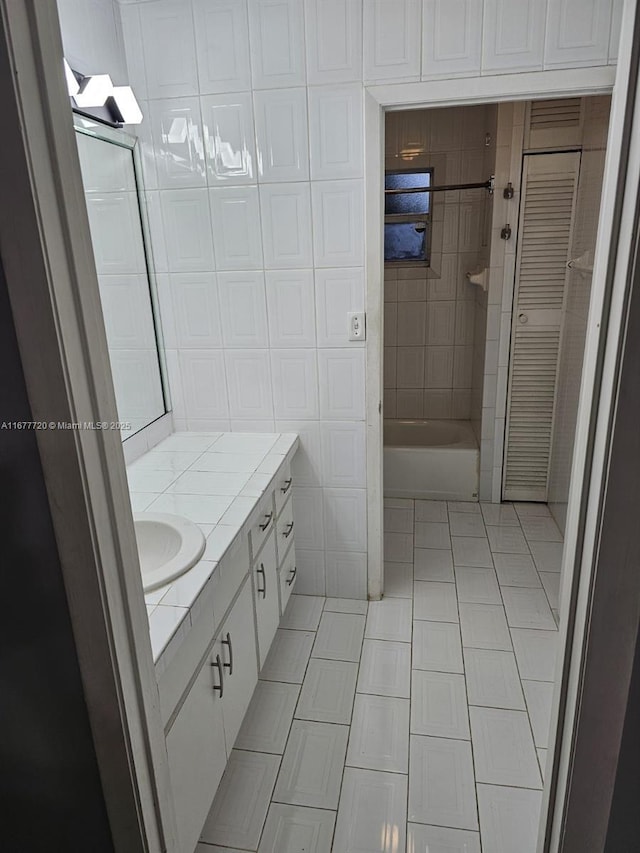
{"x":267,"y":599}
{"x":196,"y":750}
{"x":206,"y":686}
{"x":237,"y":641}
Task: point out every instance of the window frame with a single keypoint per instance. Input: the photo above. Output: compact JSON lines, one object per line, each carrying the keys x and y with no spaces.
{"x":408,"y":218}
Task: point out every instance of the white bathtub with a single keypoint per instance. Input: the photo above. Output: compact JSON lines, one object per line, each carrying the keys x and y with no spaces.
{"x":436,"y":460}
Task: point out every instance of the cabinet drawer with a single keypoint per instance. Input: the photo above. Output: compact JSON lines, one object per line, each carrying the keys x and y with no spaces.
{"x":284,"y":483}
{"x":263,"y":525}
{"x":284,"y":528}
{"x":267,"y":596}
{"x":287,"y":574}
{"x":231,"y":571}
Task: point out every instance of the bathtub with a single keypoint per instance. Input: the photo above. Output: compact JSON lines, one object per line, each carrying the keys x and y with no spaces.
{"x":435,"y":460}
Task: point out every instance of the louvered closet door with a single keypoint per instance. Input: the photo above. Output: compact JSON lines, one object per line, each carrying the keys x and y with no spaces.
{"x":546,"y":220}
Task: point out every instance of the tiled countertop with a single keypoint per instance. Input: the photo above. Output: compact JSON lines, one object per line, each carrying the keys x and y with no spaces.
{"x":215,"y":480}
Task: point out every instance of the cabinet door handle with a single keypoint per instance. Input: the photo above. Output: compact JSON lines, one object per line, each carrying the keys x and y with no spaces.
{"x":219,"y":687}
{"x":292,"y":575}
{"x":268,"y":516}
{"x":287,"y":533}
{"x":227,"y":642}
{"x":287,"y":485}
{"x":261,"y":571}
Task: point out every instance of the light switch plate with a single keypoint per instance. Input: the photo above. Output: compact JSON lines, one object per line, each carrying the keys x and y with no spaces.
{"x":357,"y":326}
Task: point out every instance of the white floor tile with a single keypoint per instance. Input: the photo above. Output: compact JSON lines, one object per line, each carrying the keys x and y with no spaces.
{"x":398,"y":520}
{"x":291,"y":829}
{"x":373,"y":813}
{"x":551,"y":584}
{"x":441,"y":783}
{"x":527,"y":608}
{"x":398,"y":547}
{"x":432,"y":534}
{"x":492,"y":679}
{"x":509,"y":819}
{"x":539,"y":696}
{"x":346,"y":605}
{"x":327,"y":691}
{"x":379,"y":738}
{"x":528,"y":510}
{"x":507,"y":540}
{"x":433,"y":564}
{"x":502,"y":514}
{"x":437,"y":839}
{"x":389,"y":619}
{"x":477,"y":586}
{"x":540,"y":529}
{"x":471,"y":551}
{"x":463,"y":506}
{"x":503,"y":748}
{"x":516,"y":570}
{"x":303,"y":613}
{"x":439,"y":705}
{"x":242,"y":800}
{"x":536,"y":653}
{"x":339,"y":636}
{"x":435,"y":601}
{"x":288,"y":656}
{"x":385,"y":669}
{"x":437,"y":647}
{"x":431,"y":511}
{"x":312,"y":765}
{"x":466,"y":524}
{"x":484,"y":626}
{"x":266,"y":724}
{"x":398,"y":580}
{"x":547,"y":555}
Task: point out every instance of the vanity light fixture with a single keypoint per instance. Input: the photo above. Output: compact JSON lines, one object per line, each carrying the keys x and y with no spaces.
{"x":94,"y":91}
{"x":125,"y":107}
{"x":73,"y":87}
{"x":96,"y":97}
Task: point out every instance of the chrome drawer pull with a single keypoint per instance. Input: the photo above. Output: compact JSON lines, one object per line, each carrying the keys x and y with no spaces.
{"x":265,"y":524}
{"x":227,"y":642}
{"x":292,"y":575}
{"x":287,"y":485}
{"x":287,"y":533}
{"x":261,"y":571}
{"x":220,"y":688}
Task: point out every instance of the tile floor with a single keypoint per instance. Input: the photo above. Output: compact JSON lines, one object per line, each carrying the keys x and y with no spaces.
{"x":417,"y":723}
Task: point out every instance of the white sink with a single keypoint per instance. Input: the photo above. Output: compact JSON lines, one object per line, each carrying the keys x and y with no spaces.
{"x":168,"y":546}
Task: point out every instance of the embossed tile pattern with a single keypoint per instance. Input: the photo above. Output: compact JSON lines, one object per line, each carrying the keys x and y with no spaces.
{"x":358,"y":737}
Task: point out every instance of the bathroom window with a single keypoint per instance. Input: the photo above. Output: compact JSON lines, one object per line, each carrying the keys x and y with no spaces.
{"x":407,"y":220}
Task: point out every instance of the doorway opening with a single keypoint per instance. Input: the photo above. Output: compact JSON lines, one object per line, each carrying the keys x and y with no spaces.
{"x":482,"y":364}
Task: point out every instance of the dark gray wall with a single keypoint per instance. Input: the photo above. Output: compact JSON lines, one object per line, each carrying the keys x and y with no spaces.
{"x":623,"y":835}
{"x":50,"y":794}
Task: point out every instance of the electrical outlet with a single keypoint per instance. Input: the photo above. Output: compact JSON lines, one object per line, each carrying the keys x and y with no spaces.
{"x":357,"y":326}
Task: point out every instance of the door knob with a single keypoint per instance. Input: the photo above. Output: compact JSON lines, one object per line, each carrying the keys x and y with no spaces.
{"x":523,"y":318}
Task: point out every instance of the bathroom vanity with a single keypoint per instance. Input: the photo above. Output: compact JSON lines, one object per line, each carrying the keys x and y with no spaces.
{"x":211,"y":629}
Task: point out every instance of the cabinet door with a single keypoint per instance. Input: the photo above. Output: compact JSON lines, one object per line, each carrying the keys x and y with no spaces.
{"x":265,"y":580}
{"x":238,"y":641}
{"x":196,"y":752}
{"x":287,"y":571}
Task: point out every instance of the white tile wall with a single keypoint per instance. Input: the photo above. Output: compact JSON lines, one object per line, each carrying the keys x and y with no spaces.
{"x":229,"y":138}
{"x":282,"y":134}
{"x":286,"y":223}
{"x":222,"y":45}
{"x":280,"y":82}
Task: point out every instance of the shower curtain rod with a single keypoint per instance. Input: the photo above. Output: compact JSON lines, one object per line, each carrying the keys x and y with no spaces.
{"x":486,"y":185}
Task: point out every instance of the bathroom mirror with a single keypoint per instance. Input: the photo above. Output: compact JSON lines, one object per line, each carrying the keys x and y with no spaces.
{"x":117,"y":218}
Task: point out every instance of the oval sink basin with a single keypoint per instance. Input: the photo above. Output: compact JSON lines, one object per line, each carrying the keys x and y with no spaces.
{"x":168,"y":546}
